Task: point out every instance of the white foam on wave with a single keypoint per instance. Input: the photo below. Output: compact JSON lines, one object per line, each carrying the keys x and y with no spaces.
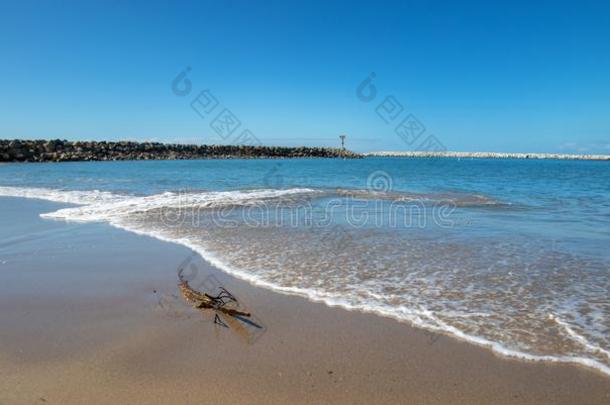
{"x":579,"y":338}
{"x":112,"y":208}
{"x":61,"y":196}
{"x":103,"y":206}
{"x":107,"y":210}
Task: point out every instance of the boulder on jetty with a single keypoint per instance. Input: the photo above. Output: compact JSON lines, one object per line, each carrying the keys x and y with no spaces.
{"x":67,"y":151}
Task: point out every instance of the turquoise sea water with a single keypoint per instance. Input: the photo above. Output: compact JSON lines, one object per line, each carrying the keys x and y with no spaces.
{"x":509,"y":254}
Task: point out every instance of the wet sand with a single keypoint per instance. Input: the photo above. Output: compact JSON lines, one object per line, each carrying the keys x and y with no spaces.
{"x":89,"y":314}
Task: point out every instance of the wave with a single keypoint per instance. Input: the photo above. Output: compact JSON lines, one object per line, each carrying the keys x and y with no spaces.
{"x":455,"y":198}
{"x":181,"y":200}
{"x":578,"y":337}
{"x":102,"y":206}
{"x":61,"y":196}
{"x":214,"y":199}
{"x":116,"y":209}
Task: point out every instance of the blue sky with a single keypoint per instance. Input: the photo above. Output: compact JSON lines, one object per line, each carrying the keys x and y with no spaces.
{"x":484,"y":76}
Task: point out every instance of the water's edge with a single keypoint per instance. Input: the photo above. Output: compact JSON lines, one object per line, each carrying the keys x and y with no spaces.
{"x":334,"y":300}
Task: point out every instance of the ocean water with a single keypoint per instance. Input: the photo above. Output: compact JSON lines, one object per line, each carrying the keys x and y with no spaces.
{"x":513,"y":255}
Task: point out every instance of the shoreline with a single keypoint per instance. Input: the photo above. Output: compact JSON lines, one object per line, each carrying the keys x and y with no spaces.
{"x":317,"y":352}
{"x":315,"y":296}
{"x":332,"y":302}
{"x":311,"y":294}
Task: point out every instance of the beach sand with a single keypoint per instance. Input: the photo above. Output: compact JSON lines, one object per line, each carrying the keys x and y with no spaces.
{"x":88,"y":314}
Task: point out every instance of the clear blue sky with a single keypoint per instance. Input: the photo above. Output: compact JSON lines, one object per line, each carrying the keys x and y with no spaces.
{"x":522,"y":76}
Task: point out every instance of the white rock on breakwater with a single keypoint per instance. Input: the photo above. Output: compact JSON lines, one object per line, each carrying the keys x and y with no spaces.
{"x":487,"y":155}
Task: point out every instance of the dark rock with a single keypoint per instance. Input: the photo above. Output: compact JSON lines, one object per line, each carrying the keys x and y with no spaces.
{"x":62,"y":150}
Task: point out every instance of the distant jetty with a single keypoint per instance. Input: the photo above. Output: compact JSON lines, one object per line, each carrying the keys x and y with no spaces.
{"x":486,"y":155}
{"x":17,"y":150}
{"x":66,"y":151}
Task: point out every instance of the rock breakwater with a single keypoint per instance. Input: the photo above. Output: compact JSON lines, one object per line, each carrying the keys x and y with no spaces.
{"x":65,"y":151}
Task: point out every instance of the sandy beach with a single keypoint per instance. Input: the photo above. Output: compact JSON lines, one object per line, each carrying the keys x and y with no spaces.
{"x":238,"y":202}
{"x":87,"y":317}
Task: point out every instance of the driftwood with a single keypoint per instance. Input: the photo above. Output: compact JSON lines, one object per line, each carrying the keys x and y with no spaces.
{"x":228,"y":312}
{"x":206,"y":301}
